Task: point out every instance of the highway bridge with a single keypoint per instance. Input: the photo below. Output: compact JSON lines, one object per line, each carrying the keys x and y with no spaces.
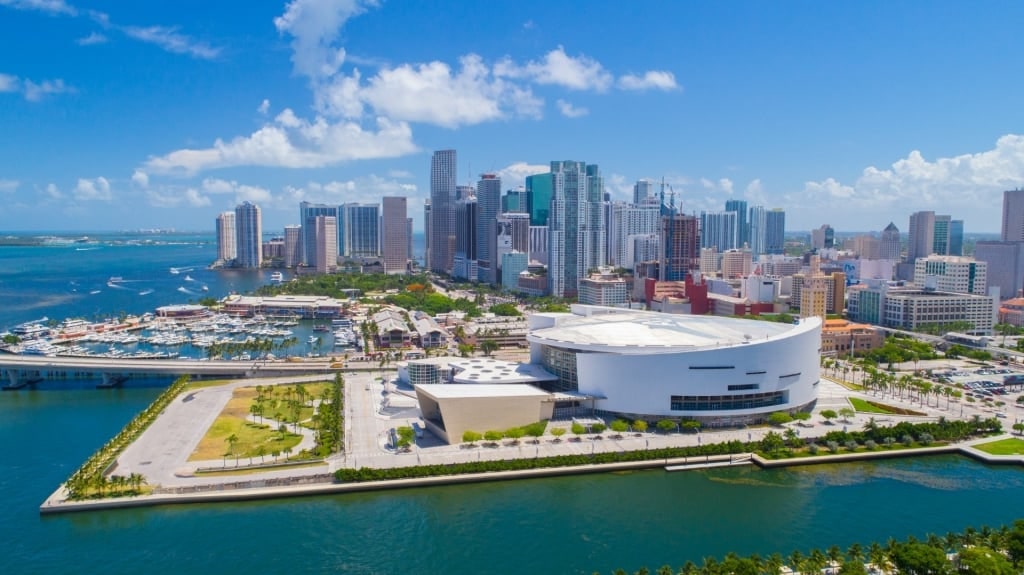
{"x":21,"y":370}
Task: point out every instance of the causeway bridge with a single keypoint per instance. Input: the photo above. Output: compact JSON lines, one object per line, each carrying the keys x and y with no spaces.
{"x":21,"y":370}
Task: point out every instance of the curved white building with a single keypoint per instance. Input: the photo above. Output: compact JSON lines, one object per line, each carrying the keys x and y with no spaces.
{"x":718,"y":370}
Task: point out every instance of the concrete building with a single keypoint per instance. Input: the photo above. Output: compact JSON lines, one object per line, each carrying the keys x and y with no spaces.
{"x":292,"y":246}
{"x":604,"y":288}
{"x":451,"y":410}
{"x":775,"y":231}
{"x":1011,"y":311}
{"x":427,"y":222}
{"x":326,"y":244}
{"x":539,"y":244}
{"x":840,"y":338}
{"x":721,"y":371}
{"x":305,"y":307}
{"x":719,"y":230}
{"x":428,"y":333}
{"x":823,"y":238}
{"x":248,"y":235}
{"x":395,"y":235}
{"x":626,"y":222}
{"x":360,"y":231}
{"x":442,"y":210}
{"x":1013,"y":216}
{"x":814,"y":293}
{"x":488,"y":206}
{"x":679,"y":243}
{"x":464,"y":264}
{"x":392,"y":331}
{"x":576,"y":239}
{"x":878,"y":303}
{"x":308,"y":212}
{"x":1005,"y":268}
{"x":890,"y":249}
{"x":951,"y":273}
{"x":921,"y":235}
{"x":709,"y":259}
{"x":512,"y":264}
{"x":736,"y":264}
{"x":226,"y":240}
{"x":642,"y":191}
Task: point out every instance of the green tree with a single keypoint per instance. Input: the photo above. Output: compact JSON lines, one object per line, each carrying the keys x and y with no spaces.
{"x":515,"y":434}
{"x":619,"y":426}
{"x":488,"y":346}
{"x":640,"y":426}
{"x":828,"y":415}
{"x":493,"y":435}
{"x":558,"y":432}
{"x":666,"y":425}
{"x":470,"y":437}
{"x":779,"y":418}
{"x":771,"y":443}
{"x":920,"y":559}
{"x":802,"y":416}
{"x":598,"y":428}
{"x":846,"y":413}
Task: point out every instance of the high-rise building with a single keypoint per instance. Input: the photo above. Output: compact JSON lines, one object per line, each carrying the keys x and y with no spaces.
{"x":742,"y":223}
{"x":955,"y":274}
{"x":956,"y":237}
{"x":940,"y":235}
{"x":823,"y":237}
{"x":463,"y":191}
{"x":464,"y":260}
{"x":1013,"y":216}
{"x":679,"y":243}
{"x":758,"y":222}
{"x":226,"y":240}
{"x":625,"y":222}
{"x":426,"y":232}
{"x":709,"y":261}
{"x":576,"y":223}
{"x":642,"y":190}
{"x":1005,"y":266}
{"x":326,"y":244}
{"x":867,"y":247}
{"x":488,"y":206}
{"x":292,"y":246}
{"x":890,"y":246}
{"x":775,"y":231}
{"x":360,"y":230}
{"x":395,"y":233}
{"x":719,"y":230}
{"x":308,"y":213}
{"x":512,"y":264}
{"x":514,"y":200}
{"x":248,"y":235}
{"x":538,"y":198}
{"x":539,"y":244}
{"x":512,"y":234}
{"x":442,"y":210}
{"x":736,"y":264}
{"x":921,"y":235}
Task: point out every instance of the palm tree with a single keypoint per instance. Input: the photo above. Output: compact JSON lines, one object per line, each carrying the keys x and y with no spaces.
{"x":796,"y":560}
{"x":877,"y":556}
{"x":232,"y":440}
{"x":835,"y":557}
{"x":855,"y":553}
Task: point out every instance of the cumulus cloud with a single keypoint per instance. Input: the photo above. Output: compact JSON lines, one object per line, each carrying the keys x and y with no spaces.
{"x":88,"y":190}
{"x":92,"y":39}
{"x":53,"y":7}
{"x":291,"y":142}
{"x":315,"y":26}
{"x":514,"y":175}
{"x":53,"y":192}
{"x":570,"y":111}
{"x":31,"y":90}
{"x":264,"y":107}
{"x":140,"y":179}
{"x":651,"y":80}
{"x":558,"y":68}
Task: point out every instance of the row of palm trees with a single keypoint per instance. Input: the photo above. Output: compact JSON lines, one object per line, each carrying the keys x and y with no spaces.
{"x":883,"y":382}
{"x":998,"y":549}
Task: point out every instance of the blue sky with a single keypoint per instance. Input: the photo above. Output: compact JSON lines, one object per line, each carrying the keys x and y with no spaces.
{"x":121,"y":115}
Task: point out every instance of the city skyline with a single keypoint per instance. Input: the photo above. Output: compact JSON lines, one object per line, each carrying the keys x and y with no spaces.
{"x":299,"y":101}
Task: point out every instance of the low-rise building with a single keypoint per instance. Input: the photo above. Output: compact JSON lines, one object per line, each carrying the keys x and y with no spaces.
{"x":392,"y":331}
{"x":428,"y":332}
{"x":911,"y":309}
{"x":1012,"y":312}
{"x":840,"y":337}
{"x":505,"y":331}
{"x":301,"y":306}
{"x":604,"y":288}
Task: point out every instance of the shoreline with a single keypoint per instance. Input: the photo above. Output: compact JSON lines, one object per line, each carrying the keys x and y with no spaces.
{"x":54,"y":505}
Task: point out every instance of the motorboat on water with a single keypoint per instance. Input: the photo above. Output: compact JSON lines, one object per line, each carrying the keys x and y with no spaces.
{"x":277,"y":277}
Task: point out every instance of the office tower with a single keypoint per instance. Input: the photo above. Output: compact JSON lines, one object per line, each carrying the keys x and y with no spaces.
{"x":538,"y":251}
{"x":951,"y":274}
{"x":814,"y":292}
{"x":292,"y":246}
{"x":308,"y":213}
{"x":642,"y":190}
{"x":1005,"y":266}
{"x":867,"y":247}
{"x":775,"y":231}
{"x":736,"y":264}
{"x":512,"y":234}
{"x":1013,"y":216}
{"x":426,"y":232}
{"x":642,"y":248}
{"x":719,"y":230}
{"x":360,"y":230}
{"x":742,"y":223}
{"x":408,"y":222}
{"x":576,"y":223}
{"x":679,"y":243}
{"x":512,"y":264}
{"x":758,"y":222}
{"x":626,"y":221}
{"x":956,"y":237}
{"x":921,"y":235}
{"x":514,"y":200}
{"x":823,"y":237}
{"x":940,"y":235}
{"x":538,"y":198}
{"x":488,"y":206}
{"x":890,"y":246}
{"x":464,"y":260}
{"x":395,"y":233}
{"x":462,"y":192}
{"x":226,"y":244}
{"x":442,"y":210}
{"x":248,"y":235}
{"x":326,"y":244}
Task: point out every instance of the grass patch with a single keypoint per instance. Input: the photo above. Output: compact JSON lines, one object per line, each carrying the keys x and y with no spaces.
{"x":208,"y":383}
{"x":1011,"y":446}
{"x":867,"y":407}
{"x":252,"y":471}
{"x":848,"y":385}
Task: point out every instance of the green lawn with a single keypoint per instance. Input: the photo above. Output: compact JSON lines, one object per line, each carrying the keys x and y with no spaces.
{"x":1012,"y":446}
{"x":865,"y":407}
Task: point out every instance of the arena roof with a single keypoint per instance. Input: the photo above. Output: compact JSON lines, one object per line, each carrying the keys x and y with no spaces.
{"x":487,"y":370}
{"x":451,"y":391}
{"x":651,"y":332}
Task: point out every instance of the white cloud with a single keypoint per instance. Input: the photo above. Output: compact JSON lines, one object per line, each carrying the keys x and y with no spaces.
{"x":264,"y":107}
{"x":194,"y":199}
{"x":8,"y":185}
{"x":169,"y":39}
{"x":514,"y":175}
{"x":140,"y":179}
{"x":291,"y":142}
{"x":652,"y":79}
{"x":92,"y":39}
{"x":558,"y":68}
{"x":92,"y":190}
{"x":570,"y":111}
{"x":53,"y":192}
{"x":314,"y":26}
{"x":754,"y":193}
{"x":9,"y":83}
{"x":401,"y":174}
{"x":53,"y":7}
{"x":33,"y":91}
{"x":965,"y":181}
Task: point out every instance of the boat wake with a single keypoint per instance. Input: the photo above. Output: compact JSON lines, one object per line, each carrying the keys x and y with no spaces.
{"x":188,"y":291}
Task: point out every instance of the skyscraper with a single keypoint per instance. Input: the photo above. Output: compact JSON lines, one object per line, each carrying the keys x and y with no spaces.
{"x":642,"y":190}
{"x":292,"y":246}
{"x":742,"y":224}
{"x":248,"y":235}
{"x":679,"y":242}
{"x":576,"y":225}
{"x":427,"y":222}
{"x":442,"y":210}
{"x":921,"y":235}
{"x":326,"y":244}
{"x":1013,"y":216}
{"x":719,"y":230}
{"x":627,"y":221}
{"x":775,"y":231}
{"x":890,"y":248}
{"x":488,"y":206}
{"x":956,"y":237}
{"x":360,"y":230}
{"x":226,"y":241}
{"x":308,"y":213}
{"x":538,"y":198}
{"x":758,"y":230}
{"x":464,"y":259}
{"x":940,"y":235}
{"x":395,"y":234}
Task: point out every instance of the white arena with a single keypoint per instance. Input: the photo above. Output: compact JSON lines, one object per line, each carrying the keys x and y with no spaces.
{"x":718,"y":370}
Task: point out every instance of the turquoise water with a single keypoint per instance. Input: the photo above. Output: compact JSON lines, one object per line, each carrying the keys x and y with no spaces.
{"x":562,"y":525}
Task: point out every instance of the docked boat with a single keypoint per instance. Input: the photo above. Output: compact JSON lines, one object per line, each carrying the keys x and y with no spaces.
{"x":277,"y":277}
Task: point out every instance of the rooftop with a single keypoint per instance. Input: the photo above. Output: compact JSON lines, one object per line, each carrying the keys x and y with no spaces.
{"x":448,"y":391}
{"x":487,"y":370}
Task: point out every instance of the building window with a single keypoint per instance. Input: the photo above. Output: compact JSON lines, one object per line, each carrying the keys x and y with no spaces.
{"x":726,"y":402}
{"x":744,"y":387}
